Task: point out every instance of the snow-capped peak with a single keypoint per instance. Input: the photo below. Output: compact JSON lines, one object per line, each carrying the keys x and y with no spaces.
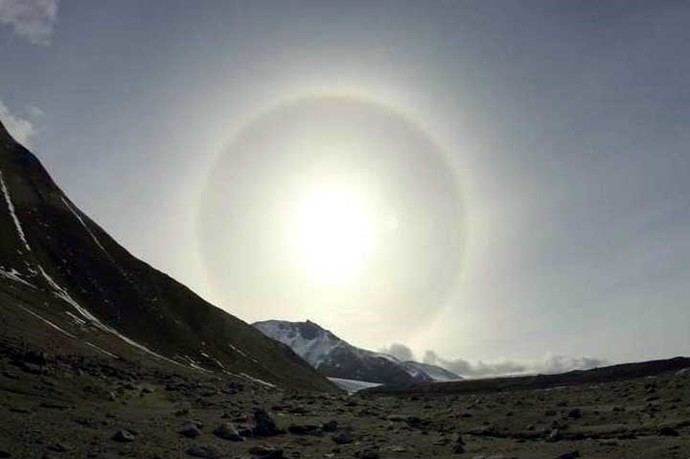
{"x":337,"y":358}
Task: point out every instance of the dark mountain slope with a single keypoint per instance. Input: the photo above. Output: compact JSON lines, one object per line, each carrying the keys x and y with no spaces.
{"x":63,"y":268}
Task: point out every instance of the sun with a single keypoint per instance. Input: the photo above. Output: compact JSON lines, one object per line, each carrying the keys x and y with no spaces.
{"x":333,"y":233}
{"x":333,"y":208}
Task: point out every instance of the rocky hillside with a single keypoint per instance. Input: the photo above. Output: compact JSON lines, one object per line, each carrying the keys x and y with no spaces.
{"x":336,"y":358}
{"x":65,"y":283}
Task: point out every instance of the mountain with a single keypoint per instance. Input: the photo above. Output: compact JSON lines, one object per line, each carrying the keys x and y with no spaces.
{"x":434,"y":372}
{"x":337,"y":358}
{"x":66,"y":284}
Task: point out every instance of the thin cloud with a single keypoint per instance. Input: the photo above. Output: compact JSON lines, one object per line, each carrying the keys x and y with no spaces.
{"x":20,"y":128}
{"x":30,"y":19}
{"x":547,"y":365}
{"x":34,"y":111}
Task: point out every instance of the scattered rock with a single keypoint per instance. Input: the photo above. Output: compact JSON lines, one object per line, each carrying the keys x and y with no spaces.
{"x":264,"y":425}
{"x":189,"y":430}
{"x":305,"y":429}
{"x":668,"y":432}
{"x":123,"y":436}
{"x":330,"y":426}
{"x":208,"y":452}
{"x":265,"y":452}
{"x":9,"y":375}
{"x":58,"y":448}
{"x":298,"y":410}
{"x":575,"y":413}
{"x":554,"y":435}
{"x":227,"y":431}
{"x":609,"y":443}
{"x":459,"y":446}
{"x":415,"y":421}
{"x":54,"y":405}
{"x":15,"y":409}
{"x":342,"y":438}
{"x":369,"y":454}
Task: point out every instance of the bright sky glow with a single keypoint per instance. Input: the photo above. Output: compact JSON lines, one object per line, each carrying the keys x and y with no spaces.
{"x":340,"y":205}
{"x":333,"y":234}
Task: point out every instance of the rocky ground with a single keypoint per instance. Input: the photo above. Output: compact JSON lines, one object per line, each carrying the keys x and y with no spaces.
{"x":90,"y":407}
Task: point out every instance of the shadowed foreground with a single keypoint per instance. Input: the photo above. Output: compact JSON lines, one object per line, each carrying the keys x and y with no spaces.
{"x":77,"y":405}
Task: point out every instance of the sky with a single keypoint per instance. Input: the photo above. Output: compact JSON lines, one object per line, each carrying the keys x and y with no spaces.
{"x":560,"y":130}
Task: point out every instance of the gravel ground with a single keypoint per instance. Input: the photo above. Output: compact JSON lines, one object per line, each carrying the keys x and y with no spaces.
{"x":54,"y":406}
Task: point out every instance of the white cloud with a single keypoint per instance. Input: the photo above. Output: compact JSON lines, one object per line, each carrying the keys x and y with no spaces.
{"x":20,"y":128}
{"x":547,"y":365}
{"x":30,"y":19}
{"x":399,"y":351}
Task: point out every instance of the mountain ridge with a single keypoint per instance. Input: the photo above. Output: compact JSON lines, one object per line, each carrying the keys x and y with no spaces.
{"x":336,"y":358}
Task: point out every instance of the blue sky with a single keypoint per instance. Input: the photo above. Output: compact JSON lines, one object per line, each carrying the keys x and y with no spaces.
{"x":566,"y":124}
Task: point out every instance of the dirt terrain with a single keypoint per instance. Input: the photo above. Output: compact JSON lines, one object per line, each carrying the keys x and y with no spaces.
{"x":91,"y":406}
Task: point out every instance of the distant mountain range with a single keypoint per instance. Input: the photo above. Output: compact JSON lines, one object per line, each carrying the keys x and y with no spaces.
{"x":680,"y":366}
{"x":66,"y":285}
{"x":336,"y":358}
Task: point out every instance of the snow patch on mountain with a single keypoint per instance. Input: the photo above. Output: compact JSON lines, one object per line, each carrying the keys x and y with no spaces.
{"x":257,"y":380}
{"x":46,"y":321}
{"x":14,"y":275}
{"x":65,"y":296}
{"x":78,"y":217}
{"x":352,"y":385}
{"x":10,"y":206}
{"x":100,"y":349}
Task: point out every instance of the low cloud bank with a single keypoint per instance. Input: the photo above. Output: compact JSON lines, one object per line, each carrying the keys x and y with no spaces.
{"x":506,"y":367}
{"x":546,"y":365}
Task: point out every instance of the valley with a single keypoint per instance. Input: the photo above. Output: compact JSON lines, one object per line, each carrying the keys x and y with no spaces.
{"x":55,"y":405}
{"x":103,"y":356}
